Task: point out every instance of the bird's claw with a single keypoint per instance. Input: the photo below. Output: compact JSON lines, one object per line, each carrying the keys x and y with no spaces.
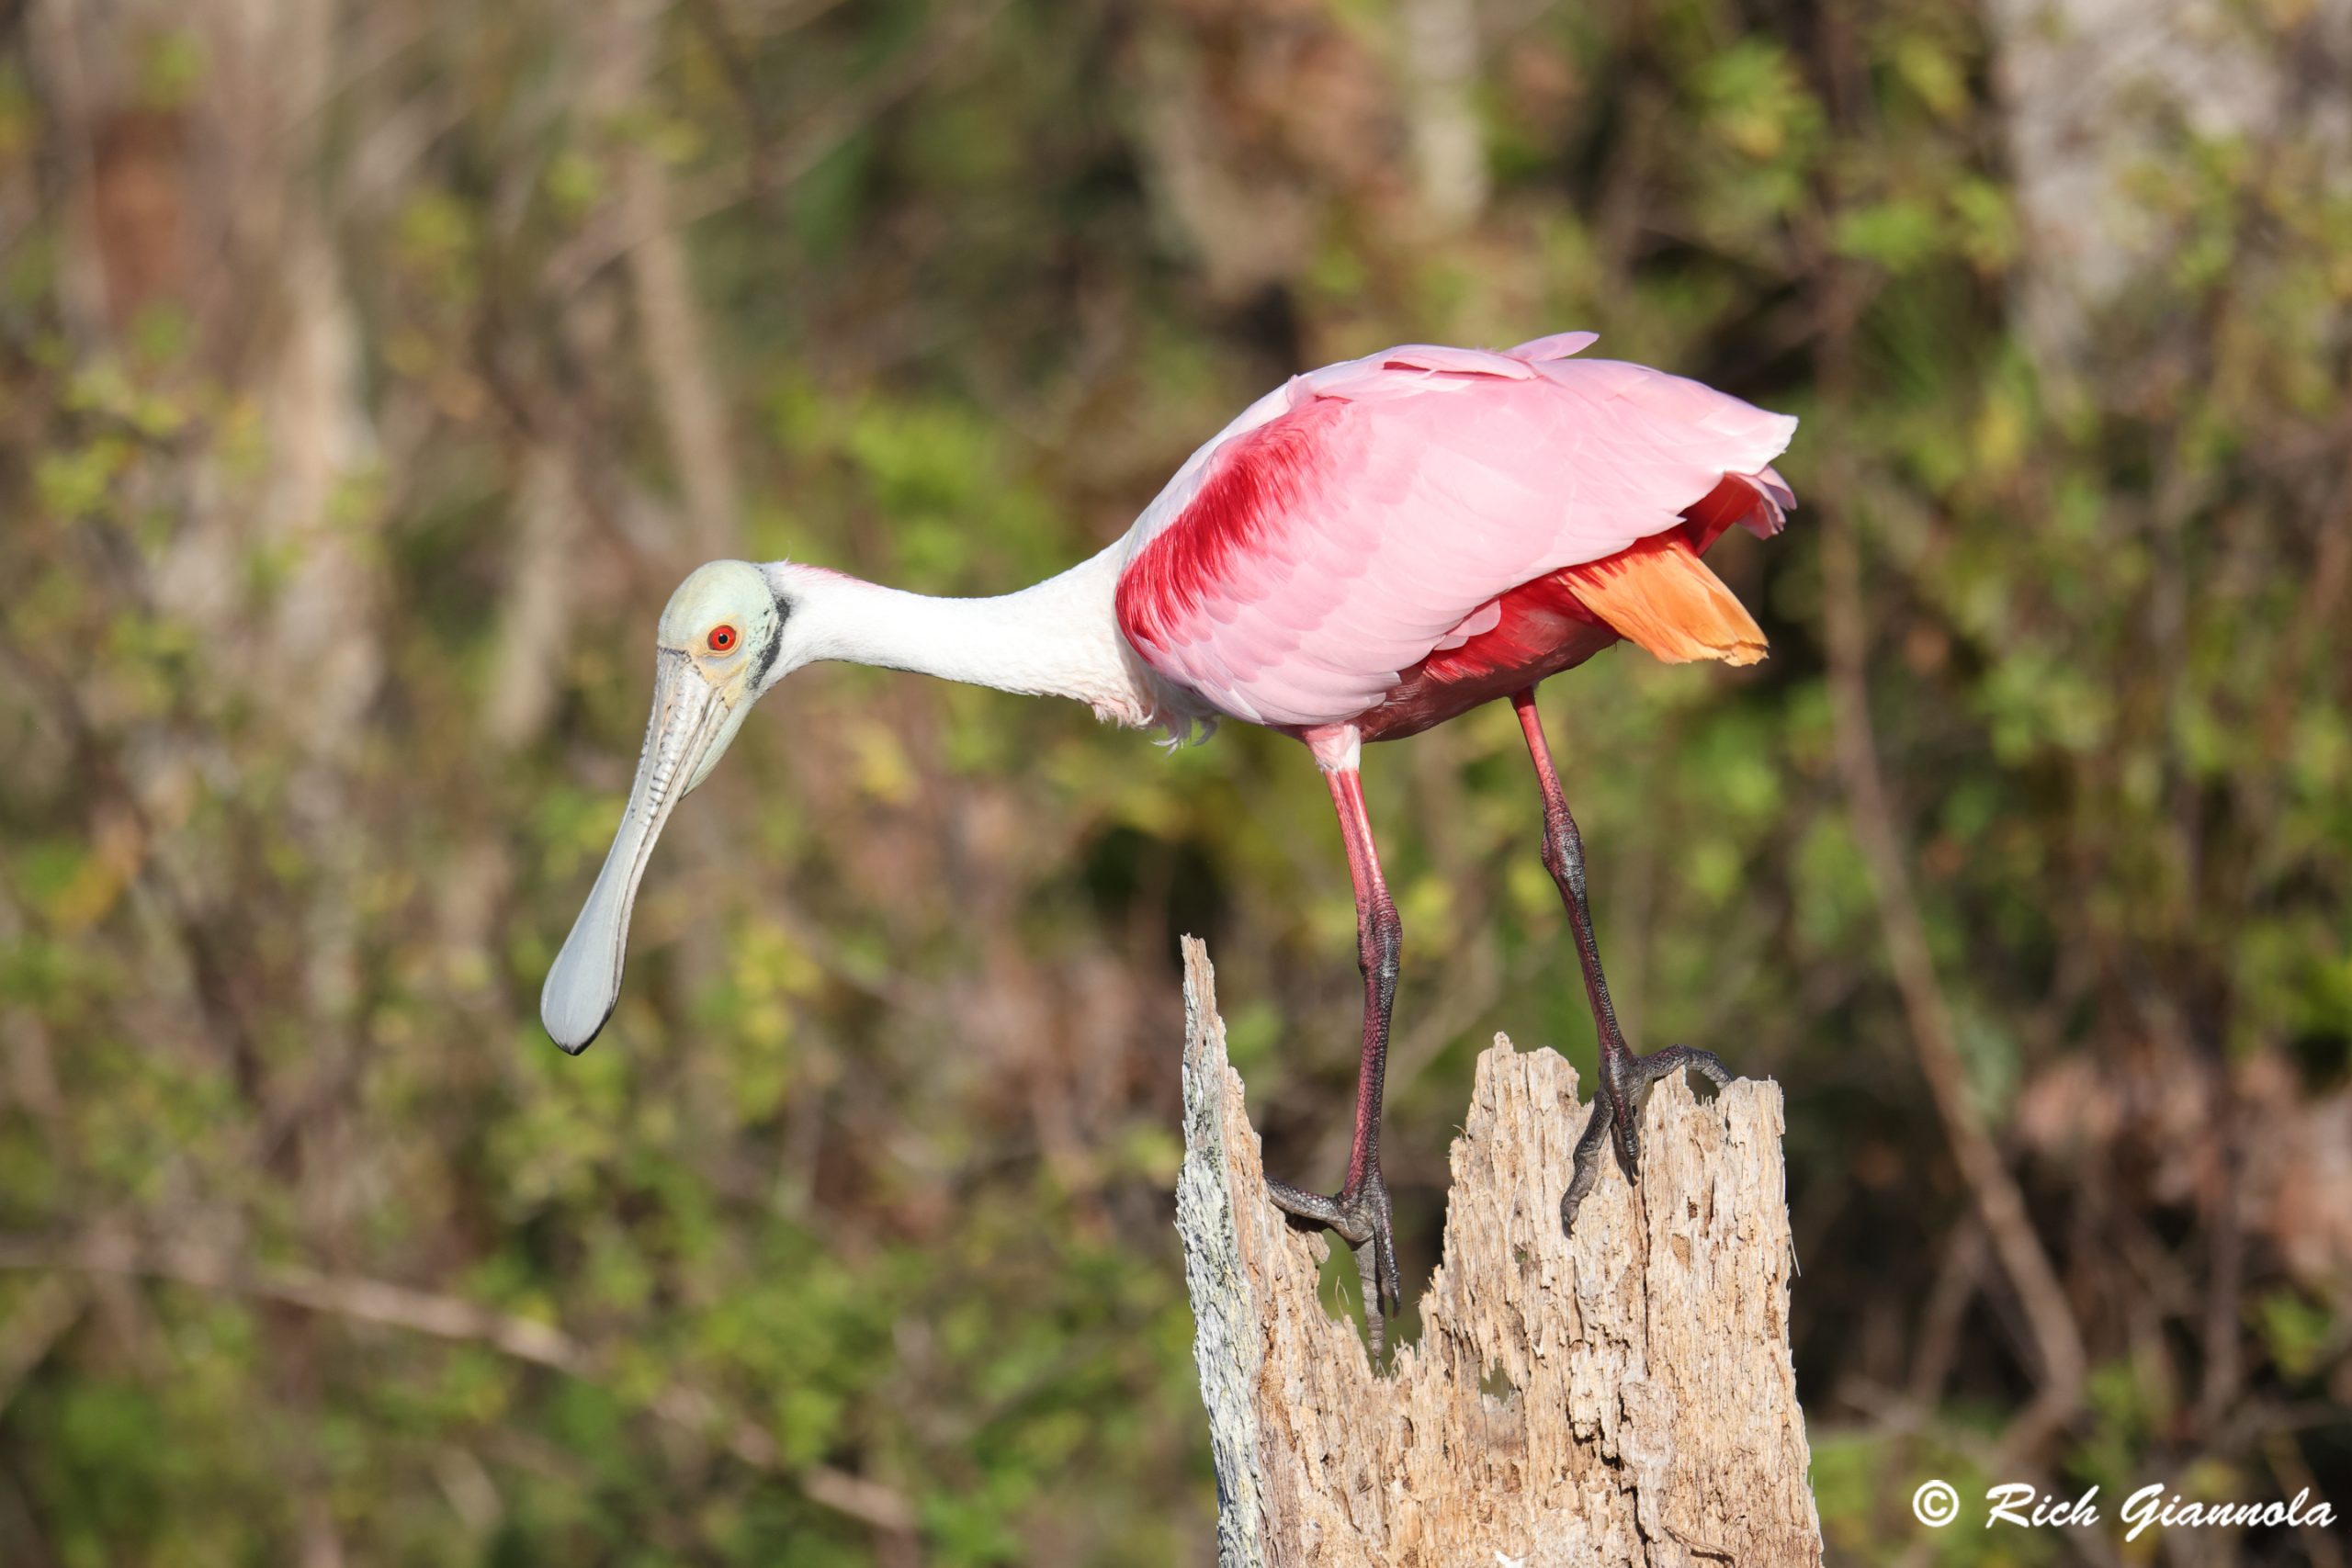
{"x":1624,"y":1087}
{"x":1361,"y":1219}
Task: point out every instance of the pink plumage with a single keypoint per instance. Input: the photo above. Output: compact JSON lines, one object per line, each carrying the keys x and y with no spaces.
{"x":1367,"y":551}
{"x":1304,"y":564}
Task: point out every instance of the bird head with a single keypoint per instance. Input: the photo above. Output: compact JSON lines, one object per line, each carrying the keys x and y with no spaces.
{"x":718,"y":650}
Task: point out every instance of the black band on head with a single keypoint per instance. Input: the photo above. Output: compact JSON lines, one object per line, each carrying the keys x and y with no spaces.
{"x":775,"y":645}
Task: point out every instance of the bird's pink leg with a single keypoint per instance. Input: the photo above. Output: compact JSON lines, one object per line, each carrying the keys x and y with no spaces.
{"x":1625,"y":1079}
{"x":1360,"y":1211}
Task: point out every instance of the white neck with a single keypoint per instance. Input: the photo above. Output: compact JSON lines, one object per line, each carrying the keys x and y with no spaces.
{"x":1059,"y":639}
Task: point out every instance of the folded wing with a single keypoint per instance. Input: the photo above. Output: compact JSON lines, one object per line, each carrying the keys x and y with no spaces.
{"x":1356,"y":520}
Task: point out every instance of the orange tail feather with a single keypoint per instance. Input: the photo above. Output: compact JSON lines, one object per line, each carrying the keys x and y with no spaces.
{"x":1658,"y":593}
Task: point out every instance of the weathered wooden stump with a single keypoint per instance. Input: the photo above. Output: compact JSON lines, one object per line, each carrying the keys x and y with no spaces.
{"x":1624,"y":1398}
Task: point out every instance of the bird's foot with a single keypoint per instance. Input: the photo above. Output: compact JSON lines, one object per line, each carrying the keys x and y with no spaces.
{"x":1616,"y":1118}
{"x":1359,"y":1216}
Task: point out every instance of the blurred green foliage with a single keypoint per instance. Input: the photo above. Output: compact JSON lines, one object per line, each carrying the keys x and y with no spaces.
{"x":348,"y":445}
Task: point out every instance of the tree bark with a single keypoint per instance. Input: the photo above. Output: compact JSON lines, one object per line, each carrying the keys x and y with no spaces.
{"x":1625,"y":1397}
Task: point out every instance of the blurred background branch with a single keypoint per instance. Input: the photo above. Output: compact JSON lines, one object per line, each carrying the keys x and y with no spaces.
{"x":380,"y":1304}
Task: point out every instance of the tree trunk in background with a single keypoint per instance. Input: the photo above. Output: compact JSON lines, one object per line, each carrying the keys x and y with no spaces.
{"x":200,"y":212}
{"x":230,"y":237}
{"x":1260,"y":131}
{"x":523,"y":694}
{"x":1441,"y":41}
{"x":203,"y":224}
{"x":1627,"y":1397}
{"x":2096,"y":94}
{"x":686,"y":395}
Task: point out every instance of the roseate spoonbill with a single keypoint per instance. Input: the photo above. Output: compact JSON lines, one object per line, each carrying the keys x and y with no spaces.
{"x":1367,"y":551}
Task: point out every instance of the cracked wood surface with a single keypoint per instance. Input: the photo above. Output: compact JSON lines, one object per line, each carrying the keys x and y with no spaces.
{"x":1624,"y":1398}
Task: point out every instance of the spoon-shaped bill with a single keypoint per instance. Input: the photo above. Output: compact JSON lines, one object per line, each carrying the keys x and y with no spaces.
{"x":689,"y":718}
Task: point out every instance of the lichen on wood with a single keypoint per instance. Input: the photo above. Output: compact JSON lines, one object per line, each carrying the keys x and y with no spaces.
{"x":1622,"y":1397}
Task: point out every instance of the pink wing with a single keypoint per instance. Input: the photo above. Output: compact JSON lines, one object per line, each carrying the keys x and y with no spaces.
{"x":1365,"y":514}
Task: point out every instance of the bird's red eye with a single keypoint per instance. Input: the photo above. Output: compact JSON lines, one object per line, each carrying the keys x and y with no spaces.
{"x":721,"y":638}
